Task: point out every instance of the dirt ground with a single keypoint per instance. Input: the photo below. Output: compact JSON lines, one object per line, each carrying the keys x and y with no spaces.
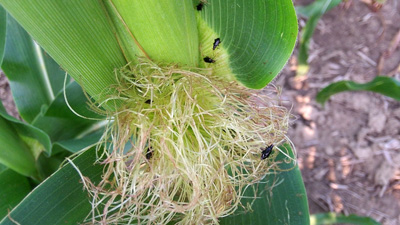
{"x":349,"y":150}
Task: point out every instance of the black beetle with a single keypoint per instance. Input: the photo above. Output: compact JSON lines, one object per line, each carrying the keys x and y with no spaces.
{"x":266,"y":152}
{"x":149,"y":153}
{"x":216,"y":43}
{"x":209,"y":60}
{"x":199,"y":7}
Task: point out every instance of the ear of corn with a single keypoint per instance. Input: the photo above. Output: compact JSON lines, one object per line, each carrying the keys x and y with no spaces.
{"x":185,"y":136}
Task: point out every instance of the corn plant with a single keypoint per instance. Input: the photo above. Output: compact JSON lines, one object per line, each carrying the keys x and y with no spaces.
{"x":188,"y":139}
{"x":313,"y":13}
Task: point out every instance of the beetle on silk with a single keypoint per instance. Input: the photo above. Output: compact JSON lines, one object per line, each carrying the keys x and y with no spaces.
{"x":266,"y":152}
{"x":149,"y":153}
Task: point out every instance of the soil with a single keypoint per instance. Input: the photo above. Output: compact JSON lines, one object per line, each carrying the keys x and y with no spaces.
{"x":349,"y":150}
{"x":6,"y":96}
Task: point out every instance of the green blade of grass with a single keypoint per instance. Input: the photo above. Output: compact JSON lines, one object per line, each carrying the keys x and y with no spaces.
{"x":77,"y":35}
{"x":383,"y":85}
{"x":61,"y":198}
{"x":314,"y":12}
{"x":333,"y":218}
{"x":286,"y":203}
{"x":257,"y":35}
{"x":13,"y":188}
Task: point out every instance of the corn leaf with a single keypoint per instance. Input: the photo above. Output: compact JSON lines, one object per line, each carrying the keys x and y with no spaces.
{"x":76,"y":144}
{"x":35,"y":78}
{"x":20,"y":144}
{"x":286,"y":203}
{"x":77,"y":35}
{"x":24,"y":67}
{"x":314,"y":12}
{"x":257,"y":35}
{"x":60,"y":122}
{"x":61,"y":198}
{"x":383,"y":85}
{"x":3,"y":21}
{"x":13,"y":188}
{"x":333,"y":218}
{"x":2,"y":167}
{"x":55,"y":74}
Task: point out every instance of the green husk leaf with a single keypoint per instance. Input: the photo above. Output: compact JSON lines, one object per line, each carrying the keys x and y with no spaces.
{"x":129,"y":45}
{"x":333,"y":218}
{"x":166,"y":30}
{"x":78,"y":36}
{"x":285,"y":203}
{"x":257,"y":38}
{"x":60,"y":199}
{"x":383,"y":85}
{"x":13,"y":188}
